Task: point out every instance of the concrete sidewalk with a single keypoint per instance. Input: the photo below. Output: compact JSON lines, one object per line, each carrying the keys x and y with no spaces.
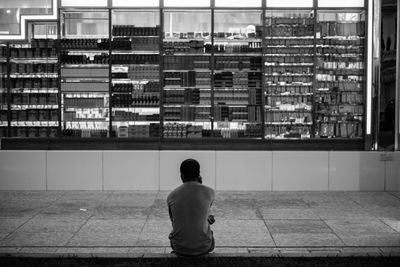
{"x":136,"y":224}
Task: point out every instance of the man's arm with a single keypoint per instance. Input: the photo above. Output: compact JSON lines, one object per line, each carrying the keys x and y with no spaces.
{"x":170,"y":213}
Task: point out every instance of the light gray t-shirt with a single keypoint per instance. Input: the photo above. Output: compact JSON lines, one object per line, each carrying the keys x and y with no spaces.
{"x":189,"y":207}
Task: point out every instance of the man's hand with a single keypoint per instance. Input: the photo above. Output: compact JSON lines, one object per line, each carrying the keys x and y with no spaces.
{"x":211,"y":219}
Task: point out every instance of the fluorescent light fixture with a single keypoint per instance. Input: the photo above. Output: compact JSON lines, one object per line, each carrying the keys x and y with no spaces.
{"x":84,"y":3}
{"x":135,"y":3}
{"x":341,"y":3}
{"x":24,"y":18}
{"x":238,"y":3}
{"x":368,"y":115}
{"x":290,"y":3}
{"x":186,"y":3}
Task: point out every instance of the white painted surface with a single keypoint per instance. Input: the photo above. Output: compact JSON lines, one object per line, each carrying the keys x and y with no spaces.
{"x":22,"y":170}
{"x":170,"y":162}
{"x":393,"y":172}
{"x":131,"y":170}
{"x":74,"y":170}
{"x":244,"y":170}
{"x":344,"y":171}
{"x":300,"y":170}
{"x":223,"y":170}
{"x":372,"y":171}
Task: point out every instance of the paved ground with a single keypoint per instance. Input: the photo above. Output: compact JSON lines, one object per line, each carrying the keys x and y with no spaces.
{"x":134,"y":224}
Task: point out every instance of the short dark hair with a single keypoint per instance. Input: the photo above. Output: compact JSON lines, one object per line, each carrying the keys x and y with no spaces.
{"x":190,"y":169}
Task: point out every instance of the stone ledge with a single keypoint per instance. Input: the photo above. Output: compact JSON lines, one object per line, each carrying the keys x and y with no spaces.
{"x":164,"y":252}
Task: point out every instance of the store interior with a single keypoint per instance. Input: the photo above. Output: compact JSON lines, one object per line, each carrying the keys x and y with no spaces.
{"x":269,"y":71}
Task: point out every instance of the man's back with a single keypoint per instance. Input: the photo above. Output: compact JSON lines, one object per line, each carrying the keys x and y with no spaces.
{"x":189,"y":207}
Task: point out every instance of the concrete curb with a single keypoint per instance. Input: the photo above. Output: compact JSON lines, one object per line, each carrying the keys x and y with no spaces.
{"x":152,"y":252}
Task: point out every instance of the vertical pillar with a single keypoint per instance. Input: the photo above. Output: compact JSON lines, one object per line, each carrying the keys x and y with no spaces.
{"x":397,"y":101}
{"x":369,"y":97}
{"x":376,"y":69}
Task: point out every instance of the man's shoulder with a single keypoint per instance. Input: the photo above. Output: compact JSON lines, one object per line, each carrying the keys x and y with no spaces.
{"x":174,"y":192}
{"x":209,"y":190}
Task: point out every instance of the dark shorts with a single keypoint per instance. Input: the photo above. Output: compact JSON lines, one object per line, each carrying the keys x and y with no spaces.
{"x":184,"y":255}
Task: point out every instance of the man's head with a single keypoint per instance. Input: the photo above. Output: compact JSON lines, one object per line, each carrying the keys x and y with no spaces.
{"x":190,"y":170}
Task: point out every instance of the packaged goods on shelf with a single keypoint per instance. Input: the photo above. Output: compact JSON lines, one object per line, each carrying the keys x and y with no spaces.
{"x":67,"y":58}
{"x":131,"y":30}
{"x":134,"y":59}
{"x":99,"y":133}
{"x":181,"y":130}
{"x":85,"y":44}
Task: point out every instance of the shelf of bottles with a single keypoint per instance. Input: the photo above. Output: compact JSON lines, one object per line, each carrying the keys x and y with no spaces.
{"x":135,"y":60}
{"x":340,"y":74}
{"x":187,"y":74}
{"x":237,"y":74}
{"x":33,"y":81}
{"x":3,"y":90}
{"x":84,"y":59}
{"x":289,"y":73}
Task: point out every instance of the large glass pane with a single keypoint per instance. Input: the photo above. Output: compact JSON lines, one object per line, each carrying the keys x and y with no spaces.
{"x":289,"y":73}
{"x":82,"y":24}
{"x":237,"y":75}
{"x":135,"y":73}
{"x":85,"y":73}
{"x":340,"y":78}
{"x":187,"y":74}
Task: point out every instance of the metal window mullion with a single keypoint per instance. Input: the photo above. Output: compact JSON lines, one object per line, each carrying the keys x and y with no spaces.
{"x":212,"y":65}
{"x":314,"y":86}
{"x":8,"y":91}
{"x":110,"y":73}
{"x":263,"y":89}
{"x":161,"y":76}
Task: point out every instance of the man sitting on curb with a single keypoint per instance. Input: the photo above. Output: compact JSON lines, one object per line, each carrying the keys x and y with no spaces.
{"x":189,"y":210}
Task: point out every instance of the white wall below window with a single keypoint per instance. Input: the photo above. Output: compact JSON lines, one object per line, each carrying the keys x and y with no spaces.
{"x":221,"y":170}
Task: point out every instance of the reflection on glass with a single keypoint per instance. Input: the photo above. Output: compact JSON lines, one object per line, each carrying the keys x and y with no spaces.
{"x":81,"y":24}
{"x":44,"y":31}
{"x":237,"y":75}
{"x":11,"y":12}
